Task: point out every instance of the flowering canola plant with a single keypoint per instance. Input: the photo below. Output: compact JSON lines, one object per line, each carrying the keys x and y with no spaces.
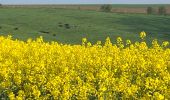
{"x":53,"y":71}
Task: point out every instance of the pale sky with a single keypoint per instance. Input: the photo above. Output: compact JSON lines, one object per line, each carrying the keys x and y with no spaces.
{"x":85,"y":1}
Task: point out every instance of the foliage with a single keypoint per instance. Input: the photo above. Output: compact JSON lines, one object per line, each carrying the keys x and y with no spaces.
{"x":162,"y":10}
{"x":106,"y":8}
{"x":149,"y":10}
{"x":47,"y":71}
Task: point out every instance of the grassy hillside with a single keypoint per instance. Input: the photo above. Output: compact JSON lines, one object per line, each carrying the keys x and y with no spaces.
{"x":69,"y":26}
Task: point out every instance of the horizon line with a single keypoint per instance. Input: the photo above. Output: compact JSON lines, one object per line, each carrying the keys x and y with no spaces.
{"x":81,"y":3}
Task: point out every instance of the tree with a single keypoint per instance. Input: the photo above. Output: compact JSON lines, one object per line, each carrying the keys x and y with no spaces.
{"x":106,"y":8}
{"x":149,"y":10}
{"x":162,"y":10}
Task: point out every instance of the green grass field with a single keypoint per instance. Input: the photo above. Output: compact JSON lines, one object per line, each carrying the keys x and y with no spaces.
{"x":69,"y":26}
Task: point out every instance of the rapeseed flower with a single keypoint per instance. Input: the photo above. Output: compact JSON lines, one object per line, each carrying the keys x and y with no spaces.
{"x":38,"y":70}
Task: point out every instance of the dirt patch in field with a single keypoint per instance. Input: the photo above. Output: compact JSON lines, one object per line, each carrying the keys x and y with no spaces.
{"x":168,"y":10}
{"x":129,"y":10}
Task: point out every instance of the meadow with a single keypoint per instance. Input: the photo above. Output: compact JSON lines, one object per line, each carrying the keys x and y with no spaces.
{"x":69,"y":26}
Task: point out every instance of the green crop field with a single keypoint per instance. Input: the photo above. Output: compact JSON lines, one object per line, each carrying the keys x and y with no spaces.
{"x":69,"y":26}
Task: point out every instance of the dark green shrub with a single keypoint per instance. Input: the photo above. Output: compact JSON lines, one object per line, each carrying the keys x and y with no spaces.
{"x":149,"y":10}
{"x":106,"y":8}
{"x":162,"y":10}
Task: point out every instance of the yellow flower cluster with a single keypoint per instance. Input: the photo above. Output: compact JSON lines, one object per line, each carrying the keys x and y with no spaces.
{"x":45,"y":71}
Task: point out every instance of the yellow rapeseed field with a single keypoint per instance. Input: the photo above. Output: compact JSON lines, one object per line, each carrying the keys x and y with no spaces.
{"x":37,"y":70}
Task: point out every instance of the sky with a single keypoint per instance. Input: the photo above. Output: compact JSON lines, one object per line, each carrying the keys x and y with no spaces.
{"x":85,"y":1}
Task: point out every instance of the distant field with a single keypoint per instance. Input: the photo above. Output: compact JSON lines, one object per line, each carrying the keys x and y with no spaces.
{"x":116,"y":8}
{"x":92,"y":5}
{"x":69,"y":26}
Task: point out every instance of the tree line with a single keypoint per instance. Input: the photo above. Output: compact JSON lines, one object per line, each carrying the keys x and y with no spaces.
{"x":161,"y":10}
{"x":150,"y":10}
